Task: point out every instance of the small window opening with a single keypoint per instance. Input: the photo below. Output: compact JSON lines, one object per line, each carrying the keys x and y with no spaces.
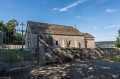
{"x":79,"y":45}
{"x":56,"y":42}
{"x":69,"y":42}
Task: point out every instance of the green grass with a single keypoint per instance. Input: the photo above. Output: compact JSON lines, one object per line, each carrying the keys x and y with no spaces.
{"x":16,"y":56}
{"x":115,"y":58}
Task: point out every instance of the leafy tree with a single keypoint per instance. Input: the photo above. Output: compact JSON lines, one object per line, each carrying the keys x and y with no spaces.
{"x":11,"y":24}
{"x":117,"y":43}
{"x":10,"y":35}
{"x":1,"y":25}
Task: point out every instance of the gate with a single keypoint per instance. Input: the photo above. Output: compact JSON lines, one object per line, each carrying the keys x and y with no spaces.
{"x":13,"y":50}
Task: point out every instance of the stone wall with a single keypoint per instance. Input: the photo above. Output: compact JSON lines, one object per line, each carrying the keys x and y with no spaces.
{"x":4,"y":46}
{"x":90,"y":43}
{"x":64,"y":40}
{"x":63,"y":55}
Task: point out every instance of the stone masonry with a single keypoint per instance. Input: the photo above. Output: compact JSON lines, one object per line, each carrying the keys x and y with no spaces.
{"x":62,"y":36}
{"x":73,"y":41}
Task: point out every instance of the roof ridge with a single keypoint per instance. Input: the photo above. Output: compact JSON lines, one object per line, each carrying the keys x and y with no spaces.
{"x":50,"y":24}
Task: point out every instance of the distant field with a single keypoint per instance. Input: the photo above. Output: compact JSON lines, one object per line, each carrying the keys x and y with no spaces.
{"x":105,"y":44}
{"x":115,"y":58}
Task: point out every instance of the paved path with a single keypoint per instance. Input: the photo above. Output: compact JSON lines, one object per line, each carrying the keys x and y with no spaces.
{"x":92,"y":69}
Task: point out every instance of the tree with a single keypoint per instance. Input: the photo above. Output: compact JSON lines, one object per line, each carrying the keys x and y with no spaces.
{"x":8,"y":26}
{"x":1,"y":25}
{"x":11,"y":24}
{"x":117,"y":43}
{"x":10,"y":35}
{"x":9,"y":30}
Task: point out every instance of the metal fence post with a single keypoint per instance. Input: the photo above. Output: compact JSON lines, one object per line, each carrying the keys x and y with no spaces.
{"x":22,"y":24}
{"x":38,"y":50}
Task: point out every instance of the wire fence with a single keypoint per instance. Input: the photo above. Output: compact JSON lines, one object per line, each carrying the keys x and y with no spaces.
{"x":13,"y":50}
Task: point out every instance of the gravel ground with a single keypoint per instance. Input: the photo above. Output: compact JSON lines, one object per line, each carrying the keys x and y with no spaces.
{"x":88,"y":69}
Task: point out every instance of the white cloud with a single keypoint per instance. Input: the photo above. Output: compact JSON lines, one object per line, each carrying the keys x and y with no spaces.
{"x":55,"y":8}
{"x":110,"y":10}
{"x":112,"y":26}
{"x":69,"y":6}
{"x":78,"y":17}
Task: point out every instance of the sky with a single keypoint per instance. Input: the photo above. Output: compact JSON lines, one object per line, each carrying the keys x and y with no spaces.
{"x":101,"y":18}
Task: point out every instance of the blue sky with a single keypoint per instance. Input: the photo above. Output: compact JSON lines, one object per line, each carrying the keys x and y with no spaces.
{"x":101,"y":18}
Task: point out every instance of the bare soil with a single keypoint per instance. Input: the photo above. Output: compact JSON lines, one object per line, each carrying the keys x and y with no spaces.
{"x":88,"y":69}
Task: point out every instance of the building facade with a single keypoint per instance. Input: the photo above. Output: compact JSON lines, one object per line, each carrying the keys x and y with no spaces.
{"x":58,"y":36}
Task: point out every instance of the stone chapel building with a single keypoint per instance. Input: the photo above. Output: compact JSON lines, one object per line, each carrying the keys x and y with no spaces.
{"x":60,"y":36}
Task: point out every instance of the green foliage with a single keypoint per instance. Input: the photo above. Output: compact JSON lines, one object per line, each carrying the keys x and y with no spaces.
{"x":117,"y":43}
{"x":11,"y":24}
{"x":11,"y":36}
{"x":12,"y":56}
{"x":1,"y":25}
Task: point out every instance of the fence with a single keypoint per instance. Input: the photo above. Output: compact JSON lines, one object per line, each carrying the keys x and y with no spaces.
{"x":13,"y":50}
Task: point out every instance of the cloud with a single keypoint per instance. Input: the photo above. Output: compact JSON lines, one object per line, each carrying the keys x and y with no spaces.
{"x":78,"y":17}
{"x":55,"y":8}
{"x":110,"y":10}
{"x":112,"y":26}
{"x":69,"y":6}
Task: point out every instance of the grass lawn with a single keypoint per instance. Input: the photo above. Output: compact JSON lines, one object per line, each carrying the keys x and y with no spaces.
{"x":115,"y":58}
{"x":16,"y":56}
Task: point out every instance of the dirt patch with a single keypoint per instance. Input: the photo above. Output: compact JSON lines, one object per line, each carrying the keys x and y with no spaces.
{"x":92,"y":69}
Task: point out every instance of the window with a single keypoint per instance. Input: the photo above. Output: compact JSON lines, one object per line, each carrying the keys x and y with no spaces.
{"x":56,"y":42}
{"x":79,"y":45}
{"x":69,"y":42}
{"x":86,"y":43}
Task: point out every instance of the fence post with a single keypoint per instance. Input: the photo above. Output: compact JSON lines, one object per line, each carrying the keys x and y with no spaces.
{"x":22,"y":45}
{"x":37,"y":50}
